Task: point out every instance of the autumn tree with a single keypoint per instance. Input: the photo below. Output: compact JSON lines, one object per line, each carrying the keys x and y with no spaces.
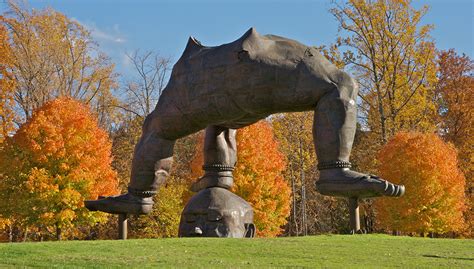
{"x":393,"y":59}
{"x":293,"y":131}
{"x":54,"y":56}
{"x":311,"y":213}
{"x":258,"y":177}
{"x":392,"y":56}
{"x":163,"y":221}
{"x":455,"y":96}
{"x":55,"y":161}
{"x":428,"y":167}
{"x":6,"y":86}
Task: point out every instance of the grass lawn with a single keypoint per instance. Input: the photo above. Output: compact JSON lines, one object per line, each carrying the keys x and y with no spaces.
{"x":329,"y":251}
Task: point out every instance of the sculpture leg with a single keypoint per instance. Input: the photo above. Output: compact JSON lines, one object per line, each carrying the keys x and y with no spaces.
{"x":333,"y":130}
{"x":220,"y":156}
{"x":150,"y":167}
{"x":215,"y":211}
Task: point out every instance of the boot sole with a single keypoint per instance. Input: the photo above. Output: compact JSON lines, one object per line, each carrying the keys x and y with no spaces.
{"x":357,"y":190}
{"x":344,"y":190}
{"x":118,"y":207}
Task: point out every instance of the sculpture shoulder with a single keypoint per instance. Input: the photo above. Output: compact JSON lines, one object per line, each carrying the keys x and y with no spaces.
{"x":196,"y":54}
{"x":251,"y":47}
{"x":280,"y":50}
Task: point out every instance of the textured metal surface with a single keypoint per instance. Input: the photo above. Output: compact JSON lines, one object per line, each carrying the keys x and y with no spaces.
{"x":239,"y":83}
{"x":217,"y":212}
{"x":227,"y":87}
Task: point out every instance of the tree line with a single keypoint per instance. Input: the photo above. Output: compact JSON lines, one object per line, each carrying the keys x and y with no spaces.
{"x":69,"y":124}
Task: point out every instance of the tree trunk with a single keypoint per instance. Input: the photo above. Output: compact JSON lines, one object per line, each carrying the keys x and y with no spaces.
{"x":303,"y":191}
{"x":293,"y":187}
{"x":25,"y":235}
{"x":10,"y":233}
{"x":382,"y":118}
{"x":303,"y":205}
{"x":58,"y":233}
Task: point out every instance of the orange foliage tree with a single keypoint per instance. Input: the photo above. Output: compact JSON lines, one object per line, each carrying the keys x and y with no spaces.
{"x":6,"y":85}
{"x":55,"y":161}
{"x":455,"y":91}
{"x":6,"y":97}
{"x":258,"y":177}
{"x":455,"y":96}
{"x":428,"y":167}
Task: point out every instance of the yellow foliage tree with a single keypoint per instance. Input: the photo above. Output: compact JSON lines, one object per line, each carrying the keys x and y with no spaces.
{"x":163,"y":221}
{"x":55,"y":56}
{"x":428,"y":167}
{"x":311,"y":213}
{"x":393,"y":59}
{"x":294,"y":134}
{"x":55,"y":161}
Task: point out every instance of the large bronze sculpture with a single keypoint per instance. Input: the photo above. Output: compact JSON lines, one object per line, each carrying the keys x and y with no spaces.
{"x":230,"y":86}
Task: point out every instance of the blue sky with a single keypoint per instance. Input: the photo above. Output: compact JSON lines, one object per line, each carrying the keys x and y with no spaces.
{"x":121,"y":26}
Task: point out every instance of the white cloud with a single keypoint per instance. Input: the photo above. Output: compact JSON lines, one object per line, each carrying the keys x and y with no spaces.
{"x":112,"y":34}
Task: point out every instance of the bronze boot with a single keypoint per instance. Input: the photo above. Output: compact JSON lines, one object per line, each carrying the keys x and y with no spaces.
{"x":334,"y":129}
{"x":215,"y":176}
{"x":150,"y":167}
{"x":346,"y":183}
{"x":220,"y":155}
{"x":122,"y":204}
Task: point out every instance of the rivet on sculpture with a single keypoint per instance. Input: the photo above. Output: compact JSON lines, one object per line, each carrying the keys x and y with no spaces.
{"x":231,"y":86}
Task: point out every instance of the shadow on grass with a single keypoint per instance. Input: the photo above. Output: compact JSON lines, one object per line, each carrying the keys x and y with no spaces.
{"x":441,"y":257}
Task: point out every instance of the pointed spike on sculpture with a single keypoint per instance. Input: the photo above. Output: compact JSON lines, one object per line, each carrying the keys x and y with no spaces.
{"x":250,"y":32}
{"x":251,"y":41}
{"x":194,"y":42}
{"x":192,"y":45}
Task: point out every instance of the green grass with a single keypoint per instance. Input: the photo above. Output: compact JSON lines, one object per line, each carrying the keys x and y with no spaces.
{"x":328,"y":251}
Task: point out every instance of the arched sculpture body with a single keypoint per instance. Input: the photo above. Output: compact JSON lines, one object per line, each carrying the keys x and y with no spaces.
{"x":233,"y":85}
